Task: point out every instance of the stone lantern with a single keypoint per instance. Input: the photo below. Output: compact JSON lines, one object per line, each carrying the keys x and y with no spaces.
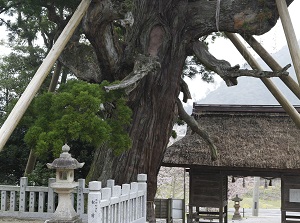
{"x":237,"y":215}
{"x":64,"y":185}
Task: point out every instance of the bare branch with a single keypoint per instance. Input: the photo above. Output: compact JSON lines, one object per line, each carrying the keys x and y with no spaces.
{"x":144,"y":65}
{"x":255,"y":73}
{"x":185,"y":90}
{"x":224,"y":69}
{"x":196,"y":128}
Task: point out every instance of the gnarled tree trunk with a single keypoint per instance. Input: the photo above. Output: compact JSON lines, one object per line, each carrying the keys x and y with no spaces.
{"x":164,"y":30}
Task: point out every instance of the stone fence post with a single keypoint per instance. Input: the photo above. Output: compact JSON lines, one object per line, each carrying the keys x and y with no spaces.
{"x":94,"y":198}
{"x":142,"y":185}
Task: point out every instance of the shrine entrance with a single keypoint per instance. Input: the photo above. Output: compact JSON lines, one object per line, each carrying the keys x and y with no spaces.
{"x":208,"y":200}
{"x":257,"y":141}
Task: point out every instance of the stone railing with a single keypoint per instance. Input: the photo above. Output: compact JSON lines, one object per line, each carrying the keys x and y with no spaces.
{"x":126,"y":203}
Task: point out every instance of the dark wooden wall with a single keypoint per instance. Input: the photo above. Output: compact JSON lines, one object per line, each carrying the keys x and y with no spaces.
{"x":208,"y":190}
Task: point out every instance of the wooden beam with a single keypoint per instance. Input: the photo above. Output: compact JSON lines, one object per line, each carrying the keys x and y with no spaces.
{"x":269,"y":60}
{"x":18,"y":111}
{"x":287,"y":106}
{"x":290,"y":35}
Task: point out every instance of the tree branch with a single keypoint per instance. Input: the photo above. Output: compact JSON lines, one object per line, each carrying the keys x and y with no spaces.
{"x":98,"y":26}
{"x":253,"y":17}
{"x":185,"y":90}
{"x":193,"y":124}
{"x":144,"y":65}
{"x":224,"y":69}
{"x":8,"y":7}
{"x":234,"y":72}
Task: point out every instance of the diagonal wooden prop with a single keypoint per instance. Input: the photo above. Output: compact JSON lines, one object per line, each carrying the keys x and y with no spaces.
{"x":287,"y":106}
{"x":18,"y":111}
{"x":290,"y":35}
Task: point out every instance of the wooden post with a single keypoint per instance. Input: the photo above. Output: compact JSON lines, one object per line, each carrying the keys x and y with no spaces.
{"x":290,"y":35}
{"x":37,"y":80}
{"x":255,"y":206}
{"x":292,"y":112}
{"x":169,"y":219}
{"x":269,"y":60}
{"x":184,"y":195}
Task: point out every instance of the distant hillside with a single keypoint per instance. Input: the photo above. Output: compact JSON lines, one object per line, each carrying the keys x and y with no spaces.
{"x":251,"y":90}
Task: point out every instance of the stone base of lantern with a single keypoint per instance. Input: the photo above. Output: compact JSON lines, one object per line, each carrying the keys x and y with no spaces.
{"x":65,"y":212}
{"x":236,"y":217}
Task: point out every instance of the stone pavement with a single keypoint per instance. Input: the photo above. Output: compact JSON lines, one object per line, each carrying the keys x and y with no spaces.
{"x":258,"y":220}
{"x":265,"y":216}
{"x":266,"y":219}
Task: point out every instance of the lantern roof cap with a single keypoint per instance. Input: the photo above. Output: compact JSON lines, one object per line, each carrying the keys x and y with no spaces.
{"x":65,"y":161}
{"x":237,"y":198}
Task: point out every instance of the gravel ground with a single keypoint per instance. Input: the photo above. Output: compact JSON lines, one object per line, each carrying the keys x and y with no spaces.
{"x":265,"y":216}
{"x":248,"y":220}
{"x":259,"y":220}
{"x":13,"y":220}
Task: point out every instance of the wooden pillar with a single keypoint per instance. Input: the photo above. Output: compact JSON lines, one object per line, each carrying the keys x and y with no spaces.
{"x":37,"y":80}
{"x":290,"y":35}
{"x":255,"y":206}
{"x":292,"y":112}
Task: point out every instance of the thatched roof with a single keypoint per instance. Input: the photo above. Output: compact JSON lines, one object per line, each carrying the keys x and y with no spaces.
{"x":245,"y":136}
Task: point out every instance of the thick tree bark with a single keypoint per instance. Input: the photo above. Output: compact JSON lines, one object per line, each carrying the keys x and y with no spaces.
{"x":167,"y":31}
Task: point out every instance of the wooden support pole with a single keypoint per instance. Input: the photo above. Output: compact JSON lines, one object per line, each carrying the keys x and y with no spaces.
{"x":18,"y":111}
{"x":290,"y":110}
{"x":269,"y":60}
{"x":290,"y":35}
{"x":31,"y":161}
{"x":255,"y":205}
